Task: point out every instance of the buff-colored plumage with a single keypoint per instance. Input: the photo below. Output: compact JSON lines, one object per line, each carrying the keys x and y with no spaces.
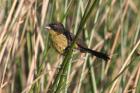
{"x":59,"y":41}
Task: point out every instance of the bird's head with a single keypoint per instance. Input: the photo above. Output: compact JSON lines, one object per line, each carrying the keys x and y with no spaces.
{"x":56,"y":27}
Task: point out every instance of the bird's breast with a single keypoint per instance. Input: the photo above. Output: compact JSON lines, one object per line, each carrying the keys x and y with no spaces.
{"x":60,"y":42}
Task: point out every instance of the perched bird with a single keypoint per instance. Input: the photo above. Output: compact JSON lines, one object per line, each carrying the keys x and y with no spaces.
{"x":62,"y":39}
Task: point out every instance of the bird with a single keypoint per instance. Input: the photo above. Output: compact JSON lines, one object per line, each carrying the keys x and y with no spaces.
{"x":62,"y":39}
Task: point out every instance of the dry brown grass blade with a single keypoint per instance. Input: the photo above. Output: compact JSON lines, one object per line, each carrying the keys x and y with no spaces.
{"x":132,"y":80}
{"x":9,"y":18}
{"x":44,"y":10}
{"x":124,"y":65}
{"x":125,"y":5}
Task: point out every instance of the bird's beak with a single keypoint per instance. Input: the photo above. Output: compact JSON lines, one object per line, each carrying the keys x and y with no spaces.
{"x":47,"y":27}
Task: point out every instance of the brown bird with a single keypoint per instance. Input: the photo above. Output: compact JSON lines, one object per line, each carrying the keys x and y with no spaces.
{"x":62,"y":39}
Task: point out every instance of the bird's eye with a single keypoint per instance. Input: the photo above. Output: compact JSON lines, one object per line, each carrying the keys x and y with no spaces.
{"x":55,"y":26}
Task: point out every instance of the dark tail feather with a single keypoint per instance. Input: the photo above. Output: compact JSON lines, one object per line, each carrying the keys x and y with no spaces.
{"x":95,"y":53}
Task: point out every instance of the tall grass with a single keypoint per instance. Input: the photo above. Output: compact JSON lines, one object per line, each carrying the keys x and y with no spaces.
{"x":29,"y":63}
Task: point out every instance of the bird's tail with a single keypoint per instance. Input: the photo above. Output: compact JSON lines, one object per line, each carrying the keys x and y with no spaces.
{"x":95,"y":53}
